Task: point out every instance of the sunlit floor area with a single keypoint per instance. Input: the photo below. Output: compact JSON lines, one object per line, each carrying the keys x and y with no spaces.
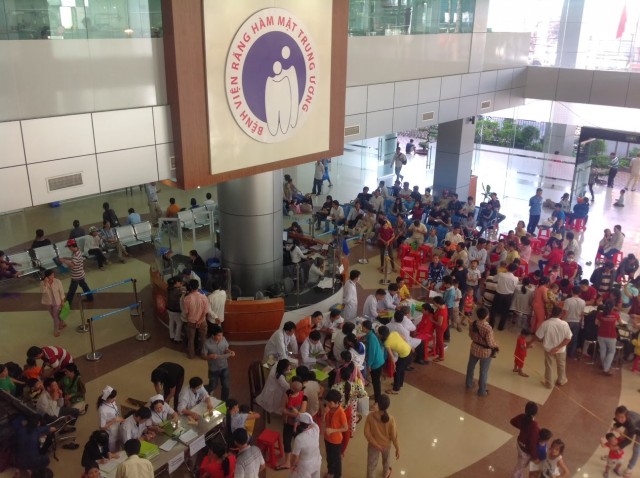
{"x":444,"y":429}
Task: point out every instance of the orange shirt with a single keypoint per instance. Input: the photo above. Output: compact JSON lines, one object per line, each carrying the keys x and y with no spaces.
{"x":303,"y":329}
{"x":33,"y":372}
{"x":335,"y":418}
{"x":173,"y":210}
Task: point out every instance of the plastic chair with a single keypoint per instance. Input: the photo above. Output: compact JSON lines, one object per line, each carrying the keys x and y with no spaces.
{"x":579,"y":224}
{"x":426,"y":253}
{"x":536,"y":245}
{"x":408,"y":274}
{"x":270,"y":444}
{"x":408,"y":262}
{"x":403,"y":250}
{"x":422,"y":272}
{"x":544,"y":233}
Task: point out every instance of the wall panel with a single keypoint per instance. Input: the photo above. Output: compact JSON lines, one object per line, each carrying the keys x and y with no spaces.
{"x":11,"y":143}
{"x":119,"y":169}
{"x":123,"y":129}
{"x":58,"y":137}
{"x":39,"y":173}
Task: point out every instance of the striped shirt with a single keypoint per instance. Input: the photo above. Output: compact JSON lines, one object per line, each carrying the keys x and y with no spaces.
{"x":77,"y":266}
{"x":56,"y":357}
{"x":195,"y":307}
{"x":249,"y":462}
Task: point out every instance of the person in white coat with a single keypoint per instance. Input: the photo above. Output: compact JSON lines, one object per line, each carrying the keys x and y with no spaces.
{"x":312,"y":349}
{"x":282,"y":342}
{"x":350,"y":297}
{"x":306,"y":459}
{"x":110,"y":417}
{"x":270,"y":399}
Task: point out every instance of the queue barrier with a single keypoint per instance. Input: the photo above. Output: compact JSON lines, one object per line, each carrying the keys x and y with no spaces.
{"x":84,"y":325}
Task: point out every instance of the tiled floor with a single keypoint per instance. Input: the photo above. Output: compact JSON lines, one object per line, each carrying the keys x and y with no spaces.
{"x":444,"y":430}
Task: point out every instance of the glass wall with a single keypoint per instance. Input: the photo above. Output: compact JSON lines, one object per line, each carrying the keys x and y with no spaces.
{"x":79,"y":19}
{"x":410,"y":17}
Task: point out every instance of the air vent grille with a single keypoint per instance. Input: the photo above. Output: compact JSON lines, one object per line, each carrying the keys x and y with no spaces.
{"x":485,"y":104}
{"x":352,"y":130}
{"x":64,"y":182}
{"x":428,"y":116}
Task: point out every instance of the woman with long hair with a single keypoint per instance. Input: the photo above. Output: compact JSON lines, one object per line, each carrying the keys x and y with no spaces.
{"x":218,"y":462}
{"x":351,"y":391}
{"x":380,"y":431}
{"x":270,"y":399}
{"x":527,"y":443}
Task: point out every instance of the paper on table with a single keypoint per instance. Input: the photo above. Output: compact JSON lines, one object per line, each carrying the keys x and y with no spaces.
{"x":196,"y":445}
{"x":188,"y":436}
{"x":175,"y":462}
{"x":113,"y":463}
{"x":168,"y":445}
{"x":201,"y":408}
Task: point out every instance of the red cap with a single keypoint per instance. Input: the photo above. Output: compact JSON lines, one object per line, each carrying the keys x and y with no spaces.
{"x":72,"y":243}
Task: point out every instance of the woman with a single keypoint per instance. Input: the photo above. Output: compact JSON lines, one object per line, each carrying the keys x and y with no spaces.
{"x":316,"y":271}
{"x":270,"y":399}
{"x":607,"y":320}
{"x":522,"y":302}
{"x":385,"y":243}
{"x":351,"y":391}
{"x":306,"y":459}
{"x":161,"y":411}
{"x":73,"y":388}
{"x":293,"y":404}
{"x":380,"y":431}
{"x":197,"y":263}
{"x":521,"y":229}
{"x":295,"y":228}
{"x":218,"y":462}
{"x":527,"y":444}
{"x":96,"y":450}
{"x":605,"y":241}
{"x":358,"y":352}
{"x":539,"y":304}
{"x":313,"y":391}
{"x":627,"y":268}
{"x":398,"y":208}
{"x":109,"y":414}
{"x":418,"y":211}
{"x":525,"y":250}
{"x":53,"y":297}
{"x":400,"y":230}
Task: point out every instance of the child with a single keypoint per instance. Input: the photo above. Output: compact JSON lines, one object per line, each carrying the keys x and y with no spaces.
{"x":468,"y":306}
{"x":335,"y":424}
{"x":535,"y":466}
{"x":554,"y":273}
{"x":403,"y":290}
{"x":456,"y":305}
{"x":449,"y":297}
{"x":473,"y":277}
{"x":636,"y":352}
{"x":620,"y":201}
{"x":521,"y":352}
{"x":614,"y":459}
{"x":553,"y":466}
{"x":441,"y":323}
{"x":237,"y":415}
{"x":31,"y":369}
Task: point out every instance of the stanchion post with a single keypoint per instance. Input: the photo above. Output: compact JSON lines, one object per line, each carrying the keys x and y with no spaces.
{"x":363,"y":259}
{"x":142,"y":336}
{"x":135,"y":294}
{"x":385,"y":280}
{"x":82,"y":328}
{"x":94,"y":355}
{"x":297,"y":284}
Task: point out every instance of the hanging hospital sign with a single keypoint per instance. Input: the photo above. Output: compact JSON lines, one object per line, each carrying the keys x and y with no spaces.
{"x":271,"y":75}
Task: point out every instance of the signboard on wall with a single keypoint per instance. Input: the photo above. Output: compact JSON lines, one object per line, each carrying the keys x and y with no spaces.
{"x":268,"y":80}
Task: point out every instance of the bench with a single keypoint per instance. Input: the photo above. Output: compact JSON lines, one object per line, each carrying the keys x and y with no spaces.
{"x":127,"y":236}
{"x":26,"y":266}
{"x":143,"y":231}
{"x":46,"y":257}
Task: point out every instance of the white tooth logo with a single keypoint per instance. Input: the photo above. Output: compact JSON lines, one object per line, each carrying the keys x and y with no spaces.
{"x":271,"y":75}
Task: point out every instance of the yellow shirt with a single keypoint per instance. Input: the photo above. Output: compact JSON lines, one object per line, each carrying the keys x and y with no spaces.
{"x":404,"y":292}
{"x":511,"y":256}
{"x":398,"y":345}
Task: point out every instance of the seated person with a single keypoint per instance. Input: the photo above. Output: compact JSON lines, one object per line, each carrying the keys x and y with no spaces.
{"x":324,"y":211}
{"x":305,"y":326}
{"x":312,"y":349}
{"x":438,"y":216}
{"x":77,"y":231}
{"x":7,"y":269}
{"x":469,"y":226}
{"x":336,"y":214}
{"x":455,"y":205}
{"x":364,"y":197}
{"x":173,"y":209}
{"x":627,"y":268}
{"x":460,"y":254}
{"x":454,"y":236}
{"x":133,"y":217}
{"x":282,"y":342}
{"x":427,"y":198}
{"x":468,"y":208}
{"x":432,"y":238}
{"x":512,"y":252}
{"x":295,"y":228}
{"x":111,"y":241}
{"x":7,"y":383}
{"x":405,"y":192}
{"x":398,"y":208}
{"x":93,"y":246}
{"x":415,"y":194}
{"x":192,"y":396}
{"x":197,"y":264}
{"x":50,"y":403}
{"x":382,"y":189}
{"x":374,"y":304}
{"x":40,"y":240}
{"x":495,"y":204}
{"x":316,"y":271}
{"x":486,"y":217}
{"x":436,"y":273}
{"x":391,"y":299}
{"x":377,"y":201}
{"x":396,"y":188}
{"x":581,"y":210}
{"x":193,"y":203}
{"x":403,"y":290}
{"x":417,"y":211}
{"x":328,"y":325}
{"x":137,"y":426}
{"x":355,"y":214}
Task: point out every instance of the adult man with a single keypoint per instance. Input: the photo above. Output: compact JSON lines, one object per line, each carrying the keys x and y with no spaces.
{"x":110,"y":215}
{"x":418,"y":232}
{"x":479,"y":253}
{"x":173,"y":209}
{"x":630,"y":421}
{"x":364,"y":197}
{"x":318,"y":173}
{"x":195,"y":307}
{"x":535,"y":210}
{"x":77,"y":231}
{"x":133,"y":217}
{"x":634,"y":173}
{"x":167,"y":379}
{"x":573,"y":314}
{"x":155,"y":211}
{"x":495,"y":203}
{"x":209,"y":201}
{"x":137,"y":426}
{"x":555,"y":335}
{"x":399,"y":160}
{"x":217,"y":301}
{"x":374,"y":304}
{"x":350,"y":296}
{"x":312,"y":349}
{"x":506,"y":286}
{"x":603,"y":277}
{"x":486,"y":217}
{"x":192,"y":396}
{"x":93,"y":245}
{"x":377,"y":201}
{"x":614,"y":162}
{"x":410,"y":148}
{"x":55,"y":358}
{"x":108,"y":235}
{"x":483,"y":349}
{"x":305,"y":326}
{"x":382,"y":187}
{"x":391,"y":299}
{"x":76,"y":265}
{"x":615,"y":244}
{"x":336,"y":214}
{"x":134,"y":466}
{"x":250,"y":462}
{"x":51,"y":403}
{"x":454,"y":236}
{"x":588,"y":293}
{"x":330,"y":324}
{"x":324,"y":211}
{"x":282,"y":342}
{"x":355,"y":214}
{"x":216,"y":352}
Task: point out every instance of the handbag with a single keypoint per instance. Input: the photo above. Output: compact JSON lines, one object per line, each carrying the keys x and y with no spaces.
{"x":65,"y":310}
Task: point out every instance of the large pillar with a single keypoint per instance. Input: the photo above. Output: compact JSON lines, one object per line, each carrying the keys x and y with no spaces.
{"x":250,"y":215}
{"x":454,"y":156}
{"x":569,"y":34}
{"x":561,"y":138}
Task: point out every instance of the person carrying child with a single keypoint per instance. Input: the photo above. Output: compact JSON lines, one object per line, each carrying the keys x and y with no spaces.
{"x":522,"y":344}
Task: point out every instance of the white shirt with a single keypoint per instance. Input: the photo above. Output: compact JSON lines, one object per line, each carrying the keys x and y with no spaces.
{"x":350,"y":300}
{"x":479,"y":255}
{"x":130,"y":429}
{"x":48,"y":406}
{"x":408,"y":324}
{"x":296,"y":255}
{"x":188,"y":399}
{"x":248,"y":463}
{"x":337,"y":213}
{"x":165,"y":414}
{"x":575,"y":309}
{"x":338,"y":343}
{"x":391,"y":301}
{"x":507,"y":283}
{"x":552,"y":332}
{"x":377,"y":202}
{"x":370,"y":310}
{"x":279,"y":344}
{"x":217,"y":300}
{"x":309,"y":352}
{"x":152,"y":192}
{"x":453,"y":238}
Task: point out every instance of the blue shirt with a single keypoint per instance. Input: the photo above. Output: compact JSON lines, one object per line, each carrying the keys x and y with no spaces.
{"x":134,"y":218}
{"x":449,"y":297}
{"x":374,"y":351}
{"x":535,"y":205}
{"x":559,"y":215}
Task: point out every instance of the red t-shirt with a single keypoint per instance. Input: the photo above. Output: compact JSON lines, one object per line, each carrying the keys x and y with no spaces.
{"x":590,"y":294}
{"x":444,"y":313}
{"x":214,"y":467}
{"x":569,"y":268}
{"x":607,"y":328}
{"x":554,"y":258}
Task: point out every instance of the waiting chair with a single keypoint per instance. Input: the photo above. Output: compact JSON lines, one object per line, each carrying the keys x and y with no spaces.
{"x":25,"y":263}
{"x":46,"y":257}
{"x":143,"y":231}
{"x":127,"y":236}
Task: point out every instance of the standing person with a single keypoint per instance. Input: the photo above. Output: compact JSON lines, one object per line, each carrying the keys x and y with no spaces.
{"x":175,"y":295}
{"x":380,"y":432}
{"x":306,"y":459}
{"x":574,"y":315}
{"x":326,"y":162}
{"x":195,"y":307}
{"x":110,"y":417}
{"x":350,"y":297}
{"x":216,"y":352}
{"x":270,"y":399}
{"x":217,"y":301}
{"x":167,"y":379}
{"x":553,"y":466}
{"x":335,"y":423}
{"x":535,"y":211}
{"x":634,"y":173}
{"x":630,"y":421}
{"x":527,"y":443}
{"x":110,"y":215}
{"x":155,"y":211}
{"x":539,"y":304}
{"x":399,"y":160}
{"x":607,"y":321}
{"x":134,"y":466}
{"x":506,"y":286}
{"x":483,"y":349}
{"x":76,"y":265}
{"x":555,"y":335}
{"x":293,"y":404}
{"x":53,"y":297}
{"x":441,"y":324}
{"x":318,"y":174}
{"x":396,"y":345}
{"x":250,"y":462}
{"x":374,"y":357}
{"x":386,"y":238}
{"x":520,"y":354}
{"x":218,"y":462}
{"x":614,"y":162}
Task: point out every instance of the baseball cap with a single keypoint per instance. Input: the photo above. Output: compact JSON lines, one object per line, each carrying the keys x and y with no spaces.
{"x":92,"y":229}
{"x":71,"y":243}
